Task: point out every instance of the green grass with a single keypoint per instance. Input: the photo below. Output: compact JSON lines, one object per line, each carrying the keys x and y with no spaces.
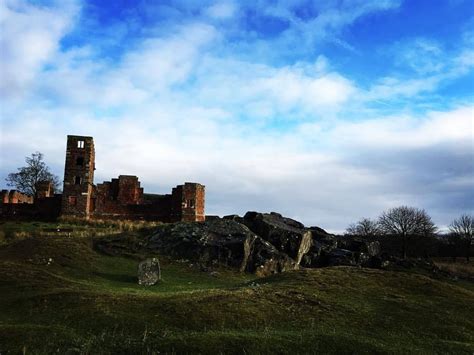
{"x":14,"y":230}
{"x":85,"y":302}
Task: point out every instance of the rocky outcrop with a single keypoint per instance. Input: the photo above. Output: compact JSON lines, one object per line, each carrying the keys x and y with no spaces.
{"x":322,"y":244}
{"x":211,"y":243}
{"x":260,"y":243}
{"x":366,"y":252}
{"x":223,"y":242}
{"x":285,"y":234}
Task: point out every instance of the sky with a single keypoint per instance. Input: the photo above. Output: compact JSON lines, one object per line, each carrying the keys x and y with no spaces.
{"x":324,"y":111}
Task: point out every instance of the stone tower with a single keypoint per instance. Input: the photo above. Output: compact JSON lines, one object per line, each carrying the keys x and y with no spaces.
{"x":188,"y":202}
{"x":78,"y":177}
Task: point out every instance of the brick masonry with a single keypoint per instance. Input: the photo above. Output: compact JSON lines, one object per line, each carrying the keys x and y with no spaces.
{"x":119,"y":198}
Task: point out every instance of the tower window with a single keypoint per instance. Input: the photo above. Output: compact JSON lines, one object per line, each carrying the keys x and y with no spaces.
{"x":77,"y":180}
{"x":191,"y":203}
{"x":80,"y":161}
{"x":80,"y":144}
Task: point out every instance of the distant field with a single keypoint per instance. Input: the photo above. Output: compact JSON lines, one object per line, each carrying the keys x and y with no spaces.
{"x":59,"y":296}
{"x":460,"y":267}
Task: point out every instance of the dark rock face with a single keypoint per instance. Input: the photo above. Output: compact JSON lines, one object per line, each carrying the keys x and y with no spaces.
{"x":260,"y":243}
{"x":210,"y":243}
{"x":323,"y":243}
{"x":222,"y":242}
{"x":285,"y":234}
{"x":341,"y":257}
{"x":371,"y":248}
{"x":367,"y":253}
{"x":234,"y":217}
{"x":149,"y":272}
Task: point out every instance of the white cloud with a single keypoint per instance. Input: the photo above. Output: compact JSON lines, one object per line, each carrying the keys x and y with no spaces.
{"x":221,"y":10}
{"x":422,"y":55}
{"x":261,"y":91}
{"x":324,"y":20}
{"x":30,"y":37}
{"x":162,"y":62}
{"x":406,"y":132}
{"x":431,"y":66}
{"x":78,"y":78}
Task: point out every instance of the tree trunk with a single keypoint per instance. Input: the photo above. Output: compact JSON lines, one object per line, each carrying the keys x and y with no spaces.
{"x":404,"y":246}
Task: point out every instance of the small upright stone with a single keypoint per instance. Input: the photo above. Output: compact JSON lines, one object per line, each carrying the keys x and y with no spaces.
{"x":149,"y":272}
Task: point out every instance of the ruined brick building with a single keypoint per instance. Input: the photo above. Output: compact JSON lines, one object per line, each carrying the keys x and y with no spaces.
{"x":121,"y":197}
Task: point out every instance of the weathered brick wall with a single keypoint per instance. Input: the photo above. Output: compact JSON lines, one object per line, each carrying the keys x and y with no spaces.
{"x":78,"y":176}
{"x":44,"y":189}
{"x":129,"y":191}
{"x":15,"y":197}
{"x":41,"y":209}
{"x":188,"y":202}
{"x":200,"y":196}
{"x":48,"y":208}
{"x":119,"y":198}
{"x":4,"y":196}
{"x":113,"y":197}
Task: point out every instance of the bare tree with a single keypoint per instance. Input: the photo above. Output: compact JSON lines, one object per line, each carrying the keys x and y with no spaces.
{"x":28,"y":176}
{"x":365,"y":227}
{"x":463,"y":230}
{"x":405,"y":222}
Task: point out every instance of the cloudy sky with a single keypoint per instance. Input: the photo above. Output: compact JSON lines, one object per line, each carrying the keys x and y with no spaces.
{"x":325,"y":111}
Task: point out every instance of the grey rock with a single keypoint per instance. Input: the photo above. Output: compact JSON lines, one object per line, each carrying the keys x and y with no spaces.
{"x":219,"y":242}
{"x":285,"y":234}
{"x":371,"y":248}
{"x":323,"y":244}
{"x":341,"y":257}
{"x":149,"y":272}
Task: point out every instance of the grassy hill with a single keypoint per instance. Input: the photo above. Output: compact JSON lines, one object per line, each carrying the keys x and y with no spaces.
{"x":57,"y":295}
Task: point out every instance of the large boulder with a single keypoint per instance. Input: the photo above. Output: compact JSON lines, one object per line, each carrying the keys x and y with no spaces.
{"x":322,"y":245}
{"x":285,"y":234}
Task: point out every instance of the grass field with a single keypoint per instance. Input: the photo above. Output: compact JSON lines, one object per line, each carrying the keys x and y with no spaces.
{"x":459,"y":268}
{"x":57,"y":295}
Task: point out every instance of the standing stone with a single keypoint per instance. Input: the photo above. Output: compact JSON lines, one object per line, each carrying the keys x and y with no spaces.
{"x":149,"y":272}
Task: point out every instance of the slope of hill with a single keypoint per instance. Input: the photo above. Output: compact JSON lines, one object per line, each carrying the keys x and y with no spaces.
{"x":59,"y":295}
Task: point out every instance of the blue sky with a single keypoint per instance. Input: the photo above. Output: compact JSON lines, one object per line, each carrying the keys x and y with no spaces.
{"x":326,"y":111}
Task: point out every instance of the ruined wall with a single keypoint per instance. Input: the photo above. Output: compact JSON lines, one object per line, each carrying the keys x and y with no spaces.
{"x":15,"y":197}
{"x":188,"y":202}
{"x":48,"y":208}
{"x":156,"y":208}
{"x":44,"y":189}
{"x":18,"y":206}
{"x":121,"y":197}
{"x":78,"y":176}
{"x":113,"y":197}
{"x":4,"y":196}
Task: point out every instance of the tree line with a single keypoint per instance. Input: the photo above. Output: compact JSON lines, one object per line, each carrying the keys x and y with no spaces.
{"x":411,"y":225}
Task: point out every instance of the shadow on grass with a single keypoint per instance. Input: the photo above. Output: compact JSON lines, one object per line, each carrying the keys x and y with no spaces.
{"x":117,"y":277}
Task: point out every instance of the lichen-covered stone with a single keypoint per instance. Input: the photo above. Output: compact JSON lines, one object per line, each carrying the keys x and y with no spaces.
{"x":285,"y":234}
{"x":149,"y":272}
